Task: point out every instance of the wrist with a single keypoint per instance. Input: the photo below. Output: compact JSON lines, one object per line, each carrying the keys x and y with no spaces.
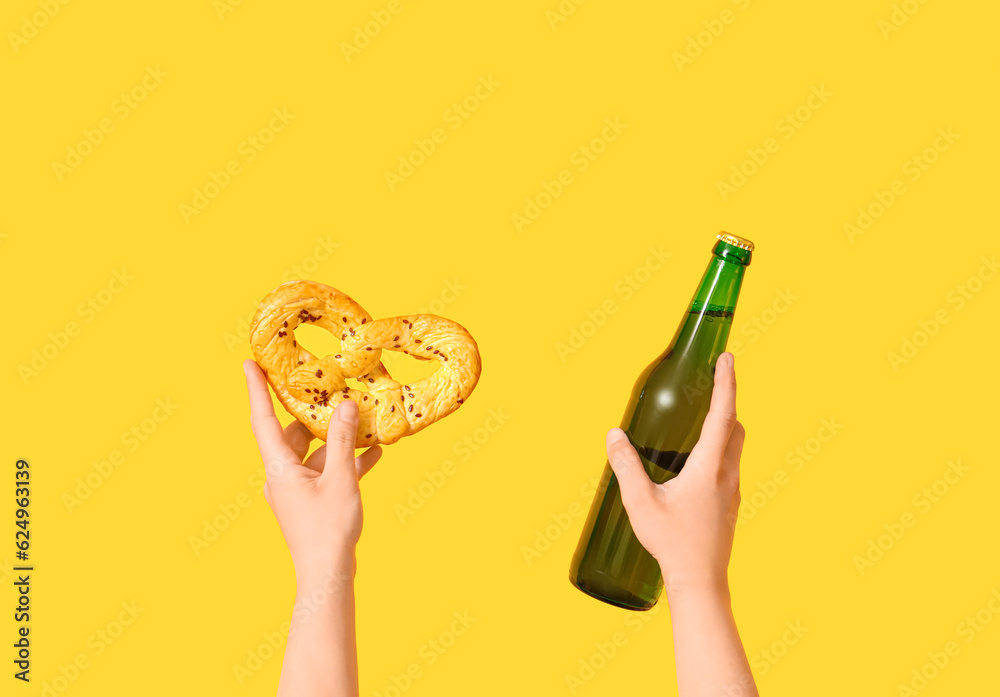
{"x":710,"y":586}
{"x":329,"y":574}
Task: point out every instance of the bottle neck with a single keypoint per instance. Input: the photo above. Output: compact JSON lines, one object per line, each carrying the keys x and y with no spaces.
{"x":720,"y":287}
{"x":703,"y":334}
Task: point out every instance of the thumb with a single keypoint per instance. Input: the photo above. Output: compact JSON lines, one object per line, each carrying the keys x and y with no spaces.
{"x":340,"y":440}
{"x":721,"y":418}
{"x":636,"y":486}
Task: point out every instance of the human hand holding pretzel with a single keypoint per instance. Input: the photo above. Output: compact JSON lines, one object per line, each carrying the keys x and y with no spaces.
{"x":310,"y":387}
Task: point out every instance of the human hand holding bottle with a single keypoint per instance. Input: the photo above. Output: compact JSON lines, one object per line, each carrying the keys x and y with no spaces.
{"x":687,"y":524}
{"x":318,"y":506}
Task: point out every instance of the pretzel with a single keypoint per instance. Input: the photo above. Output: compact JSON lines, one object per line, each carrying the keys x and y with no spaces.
{"x":310,"y":387}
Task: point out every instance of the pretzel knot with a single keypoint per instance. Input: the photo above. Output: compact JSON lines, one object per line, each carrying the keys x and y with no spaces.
{"x":311,"y":387}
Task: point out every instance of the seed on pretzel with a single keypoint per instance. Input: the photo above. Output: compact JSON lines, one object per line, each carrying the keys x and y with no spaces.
{"x":310,"y":387}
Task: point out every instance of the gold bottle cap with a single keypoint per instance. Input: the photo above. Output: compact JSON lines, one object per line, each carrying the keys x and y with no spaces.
{"x":741,"y":242}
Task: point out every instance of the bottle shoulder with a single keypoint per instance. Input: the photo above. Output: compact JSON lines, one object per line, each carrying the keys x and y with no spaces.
{"x":671,"y":389}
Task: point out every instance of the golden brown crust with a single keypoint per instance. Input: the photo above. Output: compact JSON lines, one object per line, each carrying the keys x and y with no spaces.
{"x":310,"y":387}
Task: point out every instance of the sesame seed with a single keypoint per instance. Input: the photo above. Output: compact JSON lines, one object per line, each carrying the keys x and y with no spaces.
{"x":392,"y":409}
{"x":285,"y":324}
{"x":417,"y":341}
{"x":395,"y":338}
{"x":363,"y":320}
{"x":319,"y":373}
{"x":460,"y":400}
{"x":411,"y":408}
{"x":313,"y":415}
{"x":337,"y":356}
{"x":419,"y":415}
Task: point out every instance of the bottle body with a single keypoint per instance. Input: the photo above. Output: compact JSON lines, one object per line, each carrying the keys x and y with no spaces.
{"x":663,"y":420}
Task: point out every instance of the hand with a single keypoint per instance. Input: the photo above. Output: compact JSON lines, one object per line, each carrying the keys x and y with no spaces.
{"x":317,"y":502}
{"x":688,"y":522}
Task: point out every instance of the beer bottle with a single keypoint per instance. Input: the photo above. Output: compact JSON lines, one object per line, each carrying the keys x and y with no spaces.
{"x":663,"y":421}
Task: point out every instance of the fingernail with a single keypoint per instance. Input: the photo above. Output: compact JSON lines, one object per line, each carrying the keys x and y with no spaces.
{"x":347,"y":411}
{"x":726,"y":359}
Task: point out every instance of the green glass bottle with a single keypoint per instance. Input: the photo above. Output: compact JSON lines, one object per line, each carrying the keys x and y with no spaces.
{"x":663,"y":421}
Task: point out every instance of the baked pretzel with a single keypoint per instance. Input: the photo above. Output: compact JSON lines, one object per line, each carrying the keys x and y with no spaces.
{"x":310,"y":387}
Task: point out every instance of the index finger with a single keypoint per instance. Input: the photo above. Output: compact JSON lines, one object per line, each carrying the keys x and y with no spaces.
{"x":266,"y":427}
{"x":721,"y":417}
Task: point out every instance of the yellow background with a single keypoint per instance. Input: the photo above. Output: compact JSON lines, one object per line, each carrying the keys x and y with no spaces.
{"x":169,"y":334}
